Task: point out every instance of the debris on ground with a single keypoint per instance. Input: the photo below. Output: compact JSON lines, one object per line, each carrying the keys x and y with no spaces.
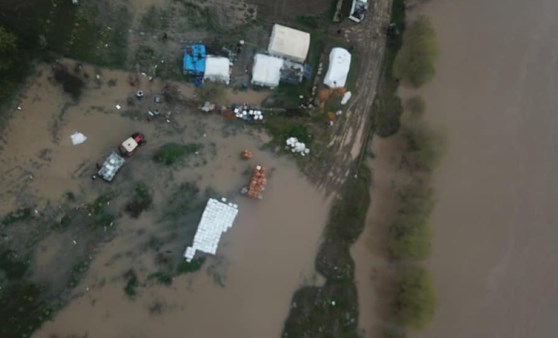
{"x":208,"y":106}
{"x":246,"y":154}
{"x":78,"y":138}
{"x":297,"y":147}
{"x":346,"y":98}
{"x":257,"y":184}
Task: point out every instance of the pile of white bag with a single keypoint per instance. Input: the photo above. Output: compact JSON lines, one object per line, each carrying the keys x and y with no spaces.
{"x":246,"y":113}
{"x":297,"y":147}
{"x":216,"y":219}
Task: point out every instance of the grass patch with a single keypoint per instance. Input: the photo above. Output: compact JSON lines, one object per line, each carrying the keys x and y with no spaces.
{"x":182,"y":201}
{"x":281,"y":128}
{"x":198,"y":16}
{"x":11,"y":266}
{"x":155,"y":19}
{"x":161,"y":277}
{"x":131,"y":283}
{"x":189,"y":267}
{"x":16,"y":216}
{"x":212,"y":92}
{"x":172,"y":153}
{"x":415,"y":61}
{"x":99,"y":215}
{"x":414,"y":300}
{"x":308,"y":22}
{"x":78,"y":271}
{"x":140,"y":201}
{"x":23,"y":308}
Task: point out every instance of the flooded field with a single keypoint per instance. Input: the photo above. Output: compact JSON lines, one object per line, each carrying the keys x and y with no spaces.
{"x":247,"y":287}
{"x":494,"y":252}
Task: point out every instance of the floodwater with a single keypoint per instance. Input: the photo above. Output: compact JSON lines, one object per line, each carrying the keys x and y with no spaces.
{"x":244,"y":291}
{"x":495,"y":223}
{"x":372,"y":268}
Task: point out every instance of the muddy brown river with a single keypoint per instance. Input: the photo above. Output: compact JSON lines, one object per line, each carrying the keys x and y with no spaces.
{"x":495,"y":223}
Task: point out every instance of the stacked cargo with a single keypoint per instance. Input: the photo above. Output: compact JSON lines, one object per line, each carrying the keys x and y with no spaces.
{"x":257,"y":183}
{"x":217,"y":218}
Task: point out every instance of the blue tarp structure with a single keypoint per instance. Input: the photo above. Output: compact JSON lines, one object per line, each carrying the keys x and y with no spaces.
{"x":194,"y":60}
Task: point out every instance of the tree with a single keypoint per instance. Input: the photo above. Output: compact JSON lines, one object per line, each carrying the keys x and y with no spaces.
{"x":415,"y":300}
{"x":8,"y":46}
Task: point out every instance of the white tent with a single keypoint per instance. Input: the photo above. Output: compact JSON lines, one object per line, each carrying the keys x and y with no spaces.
{"x":339,"y":65}
{"x":217,"y":69}
{"x":266,"y":71}
{"x":289,"y":43}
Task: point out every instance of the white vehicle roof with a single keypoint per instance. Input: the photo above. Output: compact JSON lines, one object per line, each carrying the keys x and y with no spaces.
{"x":110,"y":166}
{"x":130,"y":144}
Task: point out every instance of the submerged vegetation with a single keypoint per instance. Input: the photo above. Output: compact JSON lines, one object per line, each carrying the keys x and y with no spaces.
{"x":140,"y":201}
{"x":414,"y":300}
{"x":172,"y":153}
{"x":415,"y":61}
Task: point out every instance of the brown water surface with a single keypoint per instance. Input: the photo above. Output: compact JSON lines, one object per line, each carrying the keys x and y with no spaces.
{"x":495,"y":224}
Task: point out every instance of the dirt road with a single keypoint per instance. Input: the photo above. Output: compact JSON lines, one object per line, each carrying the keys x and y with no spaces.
{"x":348,"y":135}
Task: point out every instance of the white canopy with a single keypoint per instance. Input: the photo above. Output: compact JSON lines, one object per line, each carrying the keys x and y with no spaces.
{"x":339,"y":65}
{"x":217,"y":69}
{"x":289,"y":43}
{"x":266,"y":71}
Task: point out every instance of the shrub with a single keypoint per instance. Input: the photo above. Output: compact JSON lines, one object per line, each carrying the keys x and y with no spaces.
{"x":414,"y":300}
{"x":415,"y":61}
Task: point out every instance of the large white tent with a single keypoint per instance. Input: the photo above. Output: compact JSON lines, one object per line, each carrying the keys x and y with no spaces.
{"x":338,"y":70}
{"x":266,"y":71}
{"x":289,"y":43}
{"x":217,"y":68}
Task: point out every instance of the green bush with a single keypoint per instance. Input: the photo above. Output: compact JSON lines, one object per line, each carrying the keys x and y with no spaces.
{"x":415,"y":61}
{"x":414,"y":301}
{"x":171,"y":153}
